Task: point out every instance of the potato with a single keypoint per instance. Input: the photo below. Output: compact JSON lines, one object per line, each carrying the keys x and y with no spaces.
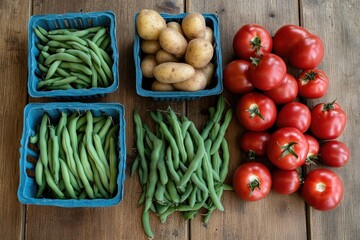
{"x":209,"y":35}
{"x":209,"y":71}
{"x":194,"y":25}
{"x":150,"y":46}
{"x":195,"y":83}
{"x":170,"y":72}
{"x":176,"y":26}
{"x":149,"y":24}
{"x":199,"y":53}
{"x":162,"y":87}
{"x":163,"y":56}
{"x":172,"y":41}
{"x":147,"y":66}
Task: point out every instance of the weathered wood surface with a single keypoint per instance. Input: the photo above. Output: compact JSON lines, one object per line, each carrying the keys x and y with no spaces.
{"x":276,"y":217}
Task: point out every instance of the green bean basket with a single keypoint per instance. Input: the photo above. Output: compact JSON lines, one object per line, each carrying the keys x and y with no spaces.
{"x":72,"y":154}
{"x":72,"y":56}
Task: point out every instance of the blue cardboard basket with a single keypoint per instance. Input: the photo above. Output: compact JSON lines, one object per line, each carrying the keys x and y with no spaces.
{"x":33,"y":113}
{"x":78,"y":20}
{"x":212,"y":21}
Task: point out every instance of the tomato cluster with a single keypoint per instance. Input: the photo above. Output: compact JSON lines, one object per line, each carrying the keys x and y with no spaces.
{"x":278,"y":126}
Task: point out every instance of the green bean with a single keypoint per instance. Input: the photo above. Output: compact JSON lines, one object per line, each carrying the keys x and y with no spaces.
{"x":99,"y":125}
{"x":62,"y":57}
{"x":80,"y":54}
{"x":42,"y":68}
{"x":170,"y":165}
{"x":62,"y":31}
{"x":216,"y":145}
{"x":42,"y":187}
{"x":113,"y":165}
{"x":49,"y":152}
{"x":95,"y":57}
{"x":186,"y":194}
{"x":142,"y":198}
{"x":159,"y":193}
{"x":52,"y":69}
{"x":78,"y":46}
{"x":34,"y":138}
{"x":43,"y":140}
{"x":99,"y":34}
{"x":57,"y":44}
{"x":45,"y":54}
{"x":225,"y":160}
{"x":216,"y":118}
{"x":66,"y":177}
{"x":161,"y":208}
{"x":81,"y":76}
{"x":163,"y":176}
{"x":40,"y":35}
{"x":192,"y":197}
{"x":39,"y":172}
{"x":47,"y":82}
{"x":185,"y":125}
{"x":216,"y":162}
{"x":85,"y":163}
{"x":135,"y":165}
{"x":214,"y":131}
{"x":51,"y":183}
{"x":101,"y":76}
{"x":171,"y":188}
{"x":60,"y":87}
{"x":139,"y":135}
{"x":172,"y":118}
{"x":66,"y":144}
{"x":62,"y":72}
{"x":94,"y":77}
{"x":105,"y":128}
{"x":42,"y":30}
{"x":75,"y":66}
{"x":106,"y":57}
{"x":105,"y":44}
{"x":189,"y":147}
{"x":65,"y":38}
{"x":110,"y":133}
{"x":146,"y":224}
{"x":55,"y":154}
{"x":98,"y":183}
{"x":100,"y":152}
{"x":67,"y":80}
{"x":167,"y":213}
{"x":84,"y":179}
{"x":103,"y":65}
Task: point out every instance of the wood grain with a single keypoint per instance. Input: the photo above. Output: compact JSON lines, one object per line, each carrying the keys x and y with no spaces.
{"x":337,"y":23}
{"x":13,"y":45}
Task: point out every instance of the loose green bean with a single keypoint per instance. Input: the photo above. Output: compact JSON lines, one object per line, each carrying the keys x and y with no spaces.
{"x":146,"y":224}
{"x":216,"y":145}
{"x":139,"y":136}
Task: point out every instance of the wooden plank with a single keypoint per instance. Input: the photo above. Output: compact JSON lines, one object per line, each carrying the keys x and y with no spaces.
{"x":337,"y":24}
{"x":124,"y":220}
{"x":13,"y":58}
{"x":277,"y":216}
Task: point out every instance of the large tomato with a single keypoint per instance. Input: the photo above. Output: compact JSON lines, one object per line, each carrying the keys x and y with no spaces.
{"x":236,"y":77}
{"x":287,"y":148}
{"x":254,"y":144}
{"x":285,"y":181}
{"x":328,"y":120}
{"x":294,"y":114}
{"x":312,"y":83}
{"x":307,"y":53}
{"x":287,"y":37}
{"x":313,"y":152}
{"x":256,"y":112}
{"x":286,"y":92}
{"x":267,"y":72}
{"x":322,"y":189}
{"x":252,"y":181}
{"x":252,"y":40}
{"x":334,"y":153}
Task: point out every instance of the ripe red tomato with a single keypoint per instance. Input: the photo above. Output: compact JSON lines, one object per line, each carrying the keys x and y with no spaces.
{"x":286,"y":92}
{"x":236,"y":77}
{"x":252,"y":181}
{"x":285,"y":181}
{"x":328,"y":120}
{"x":294,"y":114}
{"x":287,"y":148}
{"x":286,"y":38}
{"x":254,"y":144}
{"x":307,"y":53}
{"x":256,"y":112}
{"x":312,"y":83}
{"x":267,"y":72}
{"x":313,"y":152}
{"x":252,"y":40}
{"x":322,"y":189}
{"x":334,"y":153}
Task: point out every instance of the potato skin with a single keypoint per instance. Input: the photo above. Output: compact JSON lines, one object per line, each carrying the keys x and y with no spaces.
{"x":172,"y":41}
{"x":163,"y":56}
{"x":170,"y":72}
{"x":199,"y":53}
{"x":150,"y":46}
{"x":162,"y":87}
{"x":147,"y":66}
{"x":209,"y":34}
{"x":209,"y":71}
{"x":149,"y":24}
{"x":176,"y":26}
{"x":195,"y":83}
{"x":194,"y":25}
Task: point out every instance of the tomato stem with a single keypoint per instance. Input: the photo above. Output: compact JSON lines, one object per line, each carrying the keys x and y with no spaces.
{"x":251,"y":155}
{"x":255,"y":61}
{"x":255,"y":111}
{"x":310,"y":159}
{"x":310,"y":76}
{"x":329,"y":106}
{"x":253,"y":183}
{"x":256,"y":43}
{"x":288,"y":149}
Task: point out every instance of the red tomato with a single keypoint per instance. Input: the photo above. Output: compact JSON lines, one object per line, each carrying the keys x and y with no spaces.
{"x":313,"y":152}
{"x":334,"y":153}
{"x":328,"y":120}
{"x":254,"y":144}
{"x":287,"y":37}
{"x":312,"y":83}
{"x":267,"y":72}
{"x":256,"y":112}
{"x":287,"y":148}
{"x":236,"y":77}
{"x":294,"y":114}
{"x":307,"y":53}
{"x":285,"y":181}
{"x":286,"y":92}
{"x":252,"y":40}
{"x":252,"y":181}
{"x":322,"y":189}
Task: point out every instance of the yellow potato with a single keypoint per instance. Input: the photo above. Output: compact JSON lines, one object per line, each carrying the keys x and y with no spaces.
{"x":147,"y":66}
{"x":170,"y":72}
{"x":194,"y":25}
{"x":195,"y":83}
{"x":209,"y":35}
{"x":162,"y":87}
{"x":150,"y":46}
{"x":199,"y":53}
{"x":209,"y":71}
{"x":163,"y":56}
{"x":176,"y":26}
{"x":172,"y":41}
{"x":149,"y":24}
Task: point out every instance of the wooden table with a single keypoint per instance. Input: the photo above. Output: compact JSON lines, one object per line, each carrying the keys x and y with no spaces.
{"x":276,"y":217}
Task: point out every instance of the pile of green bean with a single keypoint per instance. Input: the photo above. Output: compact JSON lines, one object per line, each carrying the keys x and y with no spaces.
{"x":179,"y":168}
{"x":77,"y":157}
{"x":74,"y":59}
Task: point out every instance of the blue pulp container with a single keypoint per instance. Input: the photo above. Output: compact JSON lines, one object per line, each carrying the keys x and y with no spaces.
{"x":212,"y":21}
{"x":33,"y":113}
{"x":79,"y":20}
